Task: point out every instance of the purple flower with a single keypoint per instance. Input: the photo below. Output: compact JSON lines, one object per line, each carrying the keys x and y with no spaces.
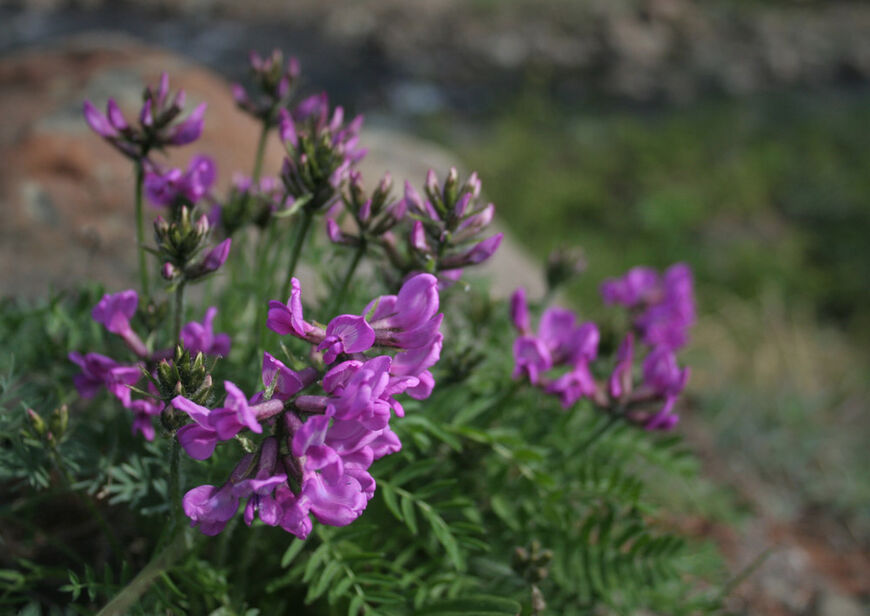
{"x":531,"y":358}
{"x":640,"y":284}
{"x":114,"y":311}
{"x":407,"y":320}
{"x":211,"y":508}
{"x":559,"y":341}
{"x":346,"y":334}
{"x":199,"y":438}
{"x":210,"y":426}
{"x":286,"y":382}
{"x":158,"y":124}
{"x":287,"y":318}
{"x":573,"y":385}
{"x":520,"y":312}
{"x":620,"y":382}
{"x":169,"y":187}
{"x":143,"y":412}
{"x":200,"y":337}
{"x":101,"y":371}
{"x":665,"y":305}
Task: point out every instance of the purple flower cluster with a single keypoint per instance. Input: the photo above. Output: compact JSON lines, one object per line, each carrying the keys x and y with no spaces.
{"x":321,"y":150}
{"x":273,"y":83}
{"x":157,"y":122}
{"x":176,"y":186}
{"x":560,"y":341}
{"x":663,"y":310}
{"x":448,"y":223}
{"x":114,"y":312}
{"x":663,"y":305}
{"x":324,"y":440}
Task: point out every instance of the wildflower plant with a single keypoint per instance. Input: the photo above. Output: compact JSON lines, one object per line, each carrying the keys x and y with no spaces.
{"x":375,"y":450}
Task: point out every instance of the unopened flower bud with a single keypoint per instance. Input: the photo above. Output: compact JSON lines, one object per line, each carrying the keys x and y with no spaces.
{"x":37,"y":422}
{"x":168,"y":271}
{"x":59,"y":421}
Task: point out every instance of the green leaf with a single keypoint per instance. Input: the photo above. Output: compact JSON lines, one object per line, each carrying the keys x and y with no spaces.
{"x":390,"y":500}
{"x":296,"y":546}
{"x":479,"y":605}
{"x":409,"y":514}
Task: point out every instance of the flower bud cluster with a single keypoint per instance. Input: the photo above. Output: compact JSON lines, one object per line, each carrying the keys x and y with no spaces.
{"x":273,"y":86}
{"x":663,"y":309}
{"x":321,"y":150}
{"x":375,"y":214}
{"x":252,"y":203}
{"x":158,"y":123}
{"x":166,"y":377}
{"x":445,"y":235}
{"x":180,"y":242}
{"x":327,"y":422}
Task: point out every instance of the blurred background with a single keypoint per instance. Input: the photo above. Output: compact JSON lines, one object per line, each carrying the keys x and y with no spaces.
{"x":734,"y":136}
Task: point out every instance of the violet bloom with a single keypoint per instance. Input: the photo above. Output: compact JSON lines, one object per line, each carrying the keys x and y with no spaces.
{"x":273,"y":84}
{"x":259,"y":488}
{"x":284,"y":381}
{"x":559,"y":341}
{"x":663,"y":376}
{"x":209,"y":507}
{"x":101,"y":371}
{"x":638,"y":285}
{"x":200,"y":438}
{"x":407,"y":320}
{"x":664,"y":305}
{"x":175,"y":186}
{"x":144,"y":410}
{"x":157,"y":127}
{"x":620,"y":382}
{"x":114,"y":311}
{"x":200,"y":337}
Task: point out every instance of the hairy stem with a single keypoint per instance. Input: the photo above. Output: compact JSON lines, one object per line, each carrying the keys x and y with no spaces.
{"x":301,"y":232}
{"x":178,"y":313}
{"x":338,"y":298}
{"x":140,"y":231}
{"x":175,"y":483}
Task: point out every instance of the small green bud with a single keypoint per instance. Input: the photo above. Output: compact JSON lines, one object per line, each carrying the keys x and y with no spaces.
{"x":37,"y":422}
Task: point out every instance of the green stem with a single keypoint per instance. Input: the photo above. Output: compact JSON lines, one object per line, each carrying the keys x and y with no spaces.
{"x":338,"y":298}
{"x":130,"y":594}
{"x":261,"y":150}
{"x":178,"y":312}
{"x":140,"y":230}
{"x":301,"y":232}
{"x":175,"y":482}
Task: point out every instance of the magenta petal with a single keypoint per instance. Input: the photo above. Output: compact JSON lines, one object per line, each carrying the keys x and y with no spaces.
{"x":520,"y":311}
{"x":417,"y":302}
{"x":312,"y":433}
{"x":97,"y":121}
{"x":197,"y":441}
{"x":354,"y":333}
